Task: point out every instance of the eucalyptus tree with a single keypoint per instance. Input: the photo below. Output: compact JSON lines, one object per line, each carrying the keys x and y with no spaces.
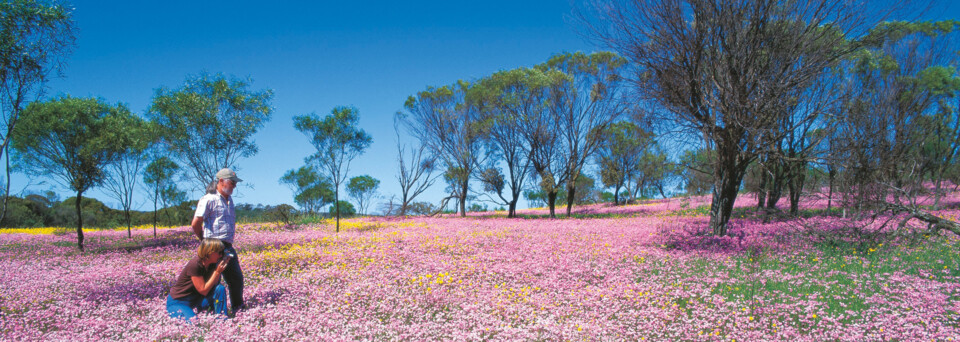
{"x":621,"y":150}
{"x":73,"y":140}
{"x":338,"y":140}
{"x":585,"y":102}
{"x":654,"y":171}
{"x":123,"y":173}
{"x":311,"y":190}
{"x":209,"y":122}
{"x":35,"y":38}
{"x":724,"y":70}
{"x":896,"y":83}
{"x":446,"y":122}
{"x":363,"y":189}
{"x":158,"y":176}
{"x":510,"y":97}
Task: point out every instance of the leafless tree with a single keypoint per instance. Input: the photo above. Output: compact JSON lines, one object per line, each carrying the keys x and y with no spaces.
{"x":415,"y":175}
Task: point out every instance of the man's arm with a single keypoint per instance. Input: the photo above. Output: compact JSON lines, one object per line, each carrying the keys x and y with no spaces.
{"x":197,"y":225}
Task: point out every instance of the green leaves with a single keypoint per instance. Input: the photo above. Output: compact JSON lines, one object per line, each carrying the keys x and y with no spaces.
{"x":209,"y":122}
{"x":335,"y":133}
{"x":72,"y":138}
{"x":338,"y":140}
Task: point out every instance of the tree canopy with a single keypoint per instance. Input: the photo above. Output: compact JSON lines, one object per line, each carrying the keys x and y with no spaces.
{"x":209,"y":122}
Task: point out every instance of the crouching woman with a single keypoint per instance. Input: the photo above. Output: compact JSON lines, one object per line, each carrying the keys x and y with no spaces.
{"x":198,"y":285}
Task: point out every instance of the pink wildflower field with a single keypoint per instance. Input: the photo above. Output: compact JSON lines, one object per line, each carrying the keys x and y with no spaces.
{"x":637,"y":272}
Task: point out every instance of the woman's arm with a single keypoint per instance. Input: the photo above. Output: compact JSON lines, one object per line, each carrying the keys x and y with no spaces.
{"x":205,"y":287}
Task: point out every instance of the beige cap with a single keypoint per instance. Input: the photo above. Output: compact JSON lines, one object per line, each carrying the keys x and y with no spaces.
{"x":228,"y":174}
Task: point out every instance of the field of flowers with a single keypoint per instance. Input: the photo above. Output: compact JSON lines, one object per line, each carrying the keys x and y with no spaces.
{"x":639,"y":272}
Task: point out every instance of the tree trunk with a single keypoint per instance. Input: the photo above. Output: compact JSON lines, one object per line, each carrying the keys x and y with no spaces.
{"x":775,"y":186}
{"x":571,"y":193}
{"x":796,"y":183}
{"x":79,"y":221}
{"x":126,"y":215}
{"x":336,"y":205}
{"x":463,"y":197}
{"x":729,"y":174}
{"x":6,"y":189}
{"x":762,"y":189}
{"x":552,"y":203}
{"x":512,"y":213}
{"x":616,"y":195}
{"x":936,"y":190}
{"x":831,"y":174}
{"x":156,"y":197}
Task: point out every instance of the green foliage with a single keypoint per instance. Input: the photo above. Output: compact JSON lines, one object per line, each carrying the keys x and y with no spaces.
{"x":338,"y":140}
{"x":344,"y":208}
{"x":158,"y":177}
{"x":209,"y":122}
{"x":622,"y":147}
{"x":698,"y":171}
{"x":72,"y":139}
{"x":35,"y":37}
{"x":476,"y":207}
{"x":585,"y":189}
{"x":311,"y":191}
{"x":363,"y":189}
{"x":421,"y":208}
{"x":898,"y":30}
{"x":46,"y":211}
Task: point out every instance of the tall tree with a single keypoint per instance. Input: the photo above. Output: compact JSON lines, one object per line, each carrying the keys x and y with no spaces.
{"x":72,"y":139}
{"x":363,"y":189}
{"x":724,"y":70}
{"x":541,"y":132}
{"x":584,"y":103}
{"x":895,"y":86}
{"x":446,"y":122}
{"x":209,"y":122}
{"x":124,"y":172}
{"x":35,"y":38}
{"x":311,"y":191}
{"x":338,"y":141}
{"x":508,"y":97}
{"x":158,"y":176}
{"x":655,"y":171}
{"x":621,"y":150}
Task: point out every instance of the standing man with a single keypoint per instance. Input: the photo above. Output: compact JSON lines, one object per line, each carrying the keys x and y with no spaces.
{"x":216,"y":218}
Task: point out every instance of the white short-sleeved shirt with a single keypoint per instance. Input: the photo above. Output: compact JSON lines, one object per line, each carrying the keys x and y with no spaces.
{"x":219,"y":217}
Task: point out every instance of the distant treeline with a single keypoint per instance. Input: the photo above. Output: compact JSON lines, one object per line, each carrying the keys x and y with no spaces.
{"x":47,"y":210}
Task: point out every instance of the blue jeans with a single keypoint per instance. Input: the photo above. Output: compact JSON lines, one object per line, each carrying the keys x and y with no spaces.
{"x":233,"y":276}
{"x":215,"y":301}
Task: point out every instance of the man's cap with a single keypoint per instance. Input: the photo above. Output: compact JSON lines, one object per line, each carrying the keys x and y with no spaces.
{"x":228,"y":174}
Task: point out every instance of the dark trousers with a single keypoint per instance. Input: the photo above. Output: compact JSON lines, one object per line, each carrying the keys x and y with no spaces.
{"x":233,"y":276}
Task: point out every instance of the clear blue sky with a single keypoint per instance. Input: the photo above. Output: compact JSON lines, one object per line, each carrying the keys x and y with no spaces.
{"x":315,"y":55}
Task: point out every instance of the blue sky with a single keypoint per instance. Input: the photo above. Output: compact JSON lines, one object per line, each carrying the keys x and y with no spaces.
{"x":314,"y":55}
